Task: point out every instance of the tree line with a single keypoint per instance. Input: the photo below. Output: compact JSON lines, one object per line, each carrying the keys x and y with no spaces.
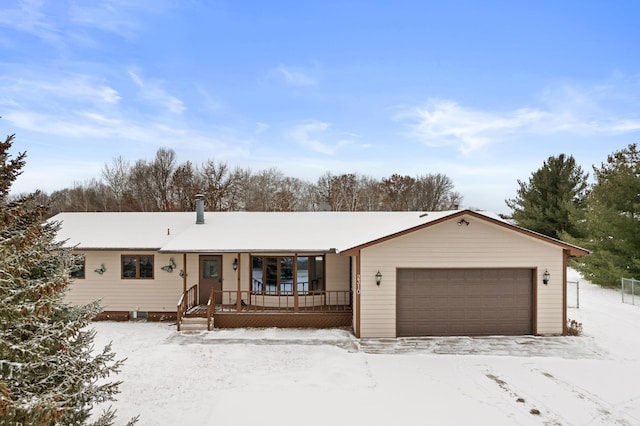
{"x":602,"y":216}
{"x":165,"y":185}
{"x":558,"y":200}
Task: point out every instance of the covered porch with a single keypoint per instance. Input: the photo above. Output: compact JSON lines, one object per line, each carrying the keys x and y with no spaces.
{"x":267,"y":290}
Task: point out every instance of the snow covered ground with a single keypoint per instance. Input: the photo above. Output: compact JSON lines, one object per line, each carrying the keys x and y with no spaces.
{"x":320,"y":377}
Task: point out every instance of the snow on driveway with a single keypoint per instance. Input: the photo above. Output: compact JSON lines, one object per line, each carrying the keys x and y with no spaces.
{"x":316,"y":377}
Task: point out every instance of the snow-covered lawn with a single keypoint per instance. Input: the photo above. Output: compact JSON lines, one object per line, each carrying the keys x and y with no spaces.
{"x":320,"y":377}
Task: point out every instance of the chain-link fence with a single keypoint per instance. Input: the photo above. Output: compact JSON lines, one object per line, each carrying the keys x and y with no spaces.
{"x":630,"y":289}
{"x":573,"y":294}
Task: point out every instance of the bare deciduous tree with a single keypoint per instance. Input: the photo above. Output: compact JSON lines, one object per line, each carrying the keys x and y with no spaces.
{"x":161,"y":171}
{"x":185,"y":185}
{"x":397,"y":192}
{"x":140,"y":196}
{"x":216,"y":184}
{"x":164,"y":185}
{"x":117,"y":177}
{"x":434,"y":192}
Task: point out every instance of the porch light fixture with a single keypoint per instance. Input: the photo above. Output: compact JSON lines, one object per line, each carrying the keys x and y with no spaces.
{"x":378,"y":278}
{"x":463,"y":221}
{"x":235,"y":264}
{"x":545,"y":277}
{"x":101,"y":270}
{"x":181,"y":273}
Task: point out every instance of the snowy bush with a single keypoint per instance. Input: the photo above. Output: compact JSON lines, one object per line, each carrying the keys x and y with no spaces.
{"x":574,"y":328}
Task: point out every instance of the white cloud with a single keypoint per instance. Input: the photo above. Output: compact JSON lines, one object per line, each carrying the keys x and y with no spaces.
{"x":80,"y":109}
{"x":298,"y":77}
{"x":32,"y":92}
{"x":124,"y":18}
{"x":310,"y":133}
{"x":305,"y":135}
{"x":447,"y":123}
{"x":152,"y":91}
{"x":61,"y":24}
{"x":209,"y":102}
{"x":261,"y":127}
{"x":29,"y":16}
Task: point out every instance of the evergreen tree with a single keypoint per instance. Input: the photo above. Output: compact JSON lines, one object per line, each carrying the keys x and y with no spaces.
{"x":612,"y":222}
{"x":552,"y":201}
{"x":49,"y":371}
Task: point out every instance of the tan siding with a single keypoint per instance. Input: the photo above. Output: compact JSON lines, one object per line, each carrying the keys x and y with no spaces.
{"x":229,"y":276}
{"x":245,"y":270}
{"x":117,"y":294}
{"x":337,"y":268}
{"x":448,"y":245}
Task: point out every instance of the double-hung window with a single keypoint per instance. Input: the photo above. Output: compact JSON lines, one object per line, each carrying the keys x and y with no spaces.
{"x":137,"y":266}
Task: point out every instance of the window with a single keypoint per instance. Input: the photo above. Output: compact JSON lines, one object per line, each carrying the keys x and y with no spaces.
{"x":276,"y":275}
{"x":77,"y":271}
{"x":138,"y":266}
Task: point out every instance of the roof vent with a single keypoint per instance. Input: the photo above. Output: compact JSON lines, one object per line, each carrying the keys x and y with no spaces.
{"x":199,"y":209}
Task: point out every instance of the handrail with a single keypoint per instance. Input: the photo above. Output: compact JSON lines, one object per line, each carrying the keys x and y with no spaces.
{"x":210,"y":309}
{"x":180,"y":310}
{"x":187,"y":301}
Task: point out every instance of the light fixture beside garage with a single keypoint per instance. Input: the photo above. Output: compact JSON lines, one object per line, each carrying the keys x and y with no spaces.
{"x":378,"y":278}
{"x":545,"y":277}
{"x":235,"y":264}
{"x":463,"y":221}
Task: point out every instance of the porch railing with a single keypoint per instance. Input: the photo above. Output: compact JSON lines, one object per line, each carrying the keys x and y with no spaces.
{"x":263,"y":302}
{"x":187,"y":300}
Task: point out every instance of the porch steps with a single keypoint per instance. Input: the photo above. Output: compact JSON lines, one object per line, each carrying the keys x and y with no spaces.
{"x":193,"y":324}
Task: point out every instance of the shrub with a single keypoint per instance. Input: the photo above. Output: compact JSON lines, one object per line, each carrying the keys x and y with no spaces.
{"x":574,"y":328}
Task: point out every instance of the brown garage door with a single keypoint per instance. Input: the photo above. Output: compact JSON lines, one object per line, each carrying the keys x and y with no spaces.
{"x":464,"y":302}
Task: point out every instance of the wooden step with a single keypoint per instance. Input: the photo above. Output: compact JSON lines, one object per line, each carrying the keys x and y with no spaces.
{"x":193,"y":324}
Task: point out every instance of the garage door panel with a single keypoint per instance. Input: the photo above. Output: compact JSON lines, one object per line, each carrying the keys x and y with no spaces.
{"x":464,"y":302}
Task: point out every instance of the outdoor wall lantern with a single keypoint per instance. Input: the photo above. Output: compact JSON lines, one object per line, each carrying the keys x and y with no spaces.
{"x":235,"y":264}
{"x":181,"y":273}
{"x":101,"y":270}
{"x":170,"y":267}
{"x":545,"y":277}
{"x":463,"y":221}
{"x":378,"y":278}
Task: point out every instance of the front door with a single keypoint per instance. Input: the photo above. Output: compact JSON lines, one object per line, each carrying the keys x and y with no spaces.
{"x":210,"y":279}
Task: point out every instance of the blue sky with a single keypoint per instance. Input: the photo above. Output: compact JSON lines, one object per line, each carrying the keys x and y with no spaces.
{"x":483,"y":92}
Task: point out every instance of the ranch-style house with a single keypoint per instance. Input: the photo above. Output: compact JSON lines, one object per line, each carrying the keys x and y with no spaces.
{"x":383,"y":274}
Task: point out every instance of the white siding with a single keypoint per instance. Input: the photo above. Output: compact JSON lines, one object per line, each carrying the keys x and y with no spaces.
{"x":447,"y":245}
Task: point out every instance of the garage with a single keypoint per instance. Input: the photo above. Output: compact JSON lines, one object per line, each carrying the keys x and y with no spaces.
{"x":464,"y":302}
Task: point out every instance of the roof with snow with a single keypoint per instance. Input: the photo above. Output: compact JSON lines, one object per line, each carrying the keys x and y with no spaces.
{"x":246,"y":231}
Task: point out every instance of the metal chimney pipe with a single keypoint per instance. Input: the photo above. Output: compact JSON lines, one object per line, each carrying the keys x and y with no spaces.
{"x":199,"y":209}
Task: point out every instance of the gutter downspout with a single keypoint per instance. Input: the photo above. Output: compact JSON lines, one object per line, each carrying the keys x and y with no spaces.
{"x":358,"y":284}
{"x":565,"y":259}
{"x":238,"y":274}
